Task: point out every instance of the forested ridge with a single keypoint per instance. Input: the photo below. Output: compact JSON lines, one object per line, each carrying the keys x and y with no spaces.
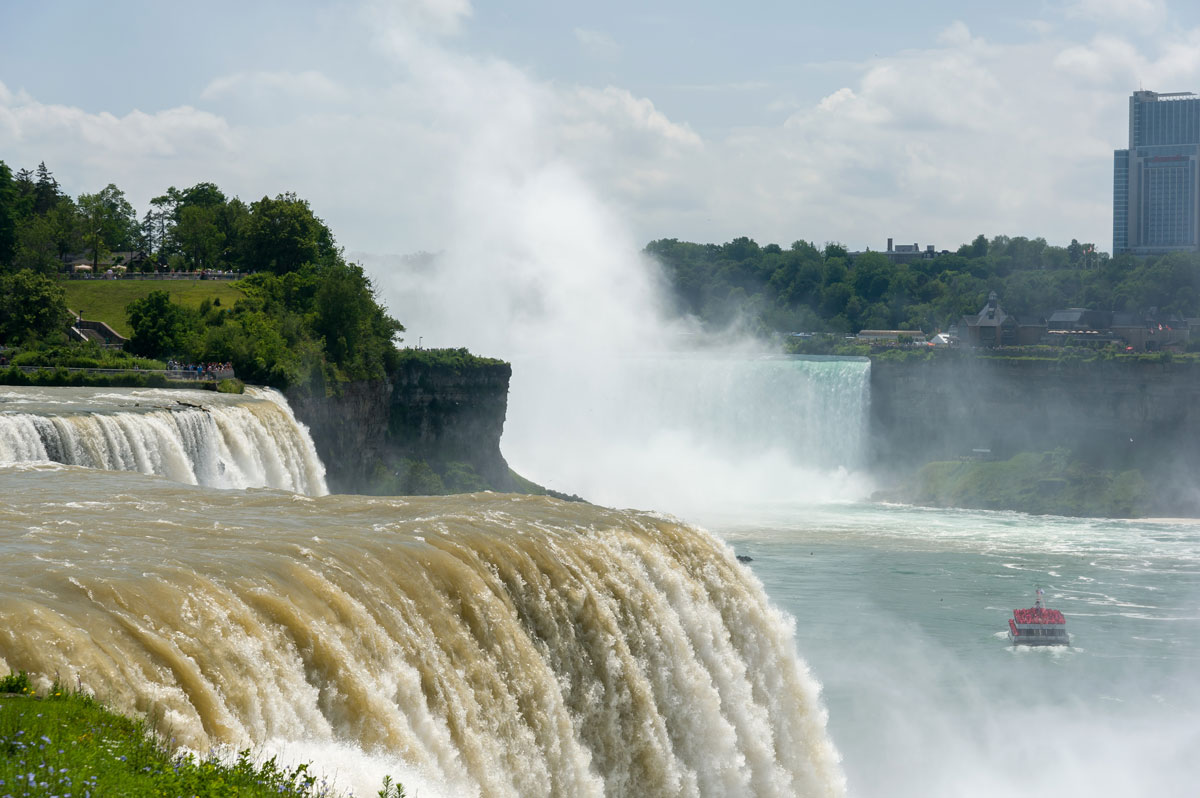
{"x":806,"y":288}
{"x":308,"y":316}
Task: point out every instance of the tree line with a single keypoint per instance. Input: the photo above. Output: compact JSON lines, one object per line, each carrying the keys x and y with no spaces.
{"x":809,"y":289}
{"x":308,"y":316}
{"x":184,"y":229}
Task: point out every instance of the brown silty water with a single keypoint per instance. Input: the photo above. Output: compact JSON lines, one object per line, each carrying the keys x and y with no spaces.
{"x":478,"y":645}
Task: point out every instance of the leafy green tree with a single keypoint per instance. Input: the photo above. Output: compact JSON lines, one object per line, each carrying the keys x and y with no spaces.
{"x":161,"y":328}
{"x":32,"y":306}
{"x":46,"y":193}
{"x":834,"y":249}
{"x":66,"y":224}
{"x":200,"y":239}
{"x":158,"y":227}
{"x":201,"y":195}
{"x":109,"y":222}
{"x":282,"y":234}
{"x":37,"y":248}
{"x":23,"y":181}
{"x":8,"y":215}
{"x":232,"y":218}
{"x":1074,"y":252}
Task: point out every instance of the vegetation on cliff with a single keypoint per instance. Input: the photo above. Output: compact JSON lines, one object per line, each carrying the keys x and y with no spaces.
{"x":805,"y":288}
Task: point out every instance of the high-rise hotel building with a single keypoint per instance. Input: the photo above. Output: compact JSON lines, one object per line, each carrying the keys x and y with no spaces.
{"x":1156,"y":204}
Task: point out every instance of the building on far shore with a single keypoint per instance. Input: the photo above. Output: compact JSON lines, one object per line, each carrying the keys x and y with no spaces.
{"x":1156,"y":181}
{"x":891,"y":337}
{"x":992,"y":327}
{"x":906,"y":253}
{"x":1137,"y":332}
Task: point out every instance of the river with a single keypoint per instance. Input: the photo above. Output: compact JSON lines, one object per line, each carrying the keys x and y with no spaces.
{"x":901,"y":613}
{"x":499,"y":645}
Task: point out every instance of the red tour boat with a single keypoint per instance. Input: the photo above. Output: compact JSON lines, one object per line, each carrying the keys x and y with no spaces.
{"x":1038,"y":626}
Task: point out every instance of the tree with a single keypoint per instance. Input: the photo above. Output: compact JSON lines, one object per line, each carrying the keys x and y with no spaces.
{"x":354,"y":326}
{"x":160,"y":327}
{"x":43,"y":240}
{"x":109,"y":222}
{"x":23,"y":181}
{"x":46,"y":193}
{"x":32,"y":306}
{"x":8,"y":215}
{"x":834,"y":249}
{"x":160,"y":220}
{"x":1074,"y":252}
{"x":200,"y":240}
{"x":201,"y":195}
{"x":282,"y":234}
{"x":37,"y":249}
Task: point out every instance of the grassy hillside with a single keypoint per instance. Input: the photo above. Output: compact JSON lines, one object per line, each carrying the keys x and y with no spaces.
{"x":105,"y":300}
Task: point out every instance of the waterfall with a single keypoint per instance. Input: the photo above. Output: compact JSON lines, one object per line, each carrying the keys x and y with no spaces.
{"x":484,"y":645}
{"x":194,"y":437}
{"x":687,"y":431}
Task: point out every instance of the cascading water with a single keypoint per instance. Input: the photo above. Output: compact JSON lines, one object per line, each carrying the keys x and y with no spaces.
{"x":474,"y":645}
{"x":194,"y":437}
{"x":689,"y":432}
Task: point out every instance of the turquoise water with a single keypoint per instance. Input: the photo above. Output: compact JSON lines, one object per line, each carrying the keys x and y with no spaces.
{"x":901,"y":614}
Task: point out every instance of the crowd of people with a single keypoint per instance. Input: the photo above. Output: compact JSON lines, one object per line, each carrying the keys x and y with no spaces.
{"x":202,"y":371}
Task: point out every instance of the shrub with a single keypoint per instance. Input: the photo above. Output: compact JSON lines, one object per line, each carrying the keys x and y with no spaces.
{"x":15,"y":683}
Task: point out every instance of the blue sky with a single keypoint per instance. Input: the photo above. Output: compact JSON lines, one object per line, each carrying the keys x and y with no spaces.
{"x":402,"y":121}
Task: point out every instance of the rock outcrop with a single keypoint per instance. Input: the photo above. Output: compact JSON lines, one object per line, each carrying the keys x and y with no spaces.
{"x":428,"y":426}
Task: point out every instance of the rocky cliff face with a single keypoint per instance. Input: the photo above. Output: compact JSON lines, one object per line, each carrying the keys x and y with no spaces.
{"x":426,"y":426}
{"x":1113,"y":414}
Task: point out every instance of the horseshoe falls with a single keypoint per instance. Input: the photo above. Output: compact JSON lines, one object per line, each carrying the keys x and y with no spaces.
{"x":692,"y":433}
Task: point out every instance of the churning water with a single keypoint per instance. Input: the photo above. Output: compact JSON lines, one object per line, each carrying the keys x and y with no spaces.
{"x":194,"y":437}
{"x":688,"y":432}
{"x":470,"y":645}
{"x":499,"y":645}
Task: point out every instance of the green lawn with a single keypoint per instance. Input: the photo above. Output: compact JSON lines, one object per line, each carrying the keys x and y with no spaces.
{"x":105,"y":300}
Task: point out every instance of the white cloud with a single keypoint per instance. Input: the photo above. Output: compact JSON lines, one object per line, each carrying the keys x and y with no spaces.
{"x":439,"y":17}
{"x":1103,"y":61}
{"x":76,"y":135}
{"x":619,"y":109}
{"x":309,"y":85}
{"x":939,"y":144}
{"x":1144,"y":14}
{"x":597,"y":43}
{"x":935,"y":143}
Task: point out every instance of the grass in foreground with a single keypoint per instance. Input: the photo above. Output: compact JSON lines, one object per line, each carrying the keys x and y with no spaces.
{"x":67,"y":744}
{"x":105,"y":300}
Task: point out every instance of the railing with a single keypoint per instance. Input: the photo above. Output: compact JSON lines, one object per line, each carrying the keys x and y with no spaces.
{"x":109,"y":335}
{"x":157,"y":276}
{"x":191,"y":375}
